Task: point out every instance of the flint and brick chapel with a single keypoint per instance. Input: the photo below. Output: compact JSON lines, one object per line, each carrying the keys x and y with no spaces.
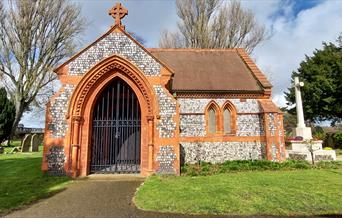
{"x":124,"y":108}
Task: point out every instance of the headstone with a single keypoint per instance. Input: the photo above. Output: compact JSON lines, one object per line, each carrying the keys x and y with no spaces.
{"x":15,"y":150}
{"x":26,"y":143}
{"x":1,"y":149}
{"x":35,"y":141}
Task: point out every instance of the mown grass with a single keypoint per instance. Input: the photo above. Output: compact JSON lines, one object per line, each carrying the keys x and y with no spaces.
{"x":295,"y":192}
{"x":21,"y":180}
{"x":338,"y":151}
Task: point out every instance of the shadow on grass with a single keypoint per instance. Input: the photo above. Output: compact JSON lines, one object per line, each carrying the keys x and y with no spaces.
{"x":22,"y":181}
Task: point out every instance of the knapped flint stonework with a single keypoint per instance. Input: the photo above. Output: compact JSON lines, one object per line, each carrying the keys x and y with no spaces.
{"x":219,"y":152}
{"x":271,"y":123}
{"x":249,"y":125}
{"x":167,"y":109}
{"x":274,"y":152}
{"x":119,"y":44}
{"x":192,"y":125}
{"x":166,"y":156}
{"x":58,"y":109}
{"x":56,"y":160}
{"x":194,"y":105}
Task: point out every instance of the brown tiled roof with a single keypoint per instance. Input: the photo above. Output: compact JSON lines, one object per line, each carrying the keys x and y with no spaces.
{"x":212,"y":70}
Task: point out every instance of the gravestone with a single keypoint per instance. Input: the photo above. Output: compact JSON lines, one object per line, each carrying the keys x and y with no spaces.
{"x":35,"y":141}
{"x":26,"y":143}
{"x":15,"y":150}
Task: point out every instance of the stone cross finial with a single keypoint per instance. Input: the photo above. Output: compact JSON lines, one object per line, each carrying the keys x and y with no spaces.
{"x":118,"y":12}
{"x":299,"y":104}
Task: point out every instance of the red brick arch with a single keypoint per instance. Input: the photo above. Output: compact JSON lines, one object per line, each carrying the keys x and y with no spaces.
{"x":233,"y":116}
{"x":81,"y":107}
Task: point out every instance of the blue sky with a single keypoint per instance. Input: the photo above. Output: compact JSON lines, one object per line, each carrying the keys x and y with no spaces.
{"x":295,"y":27}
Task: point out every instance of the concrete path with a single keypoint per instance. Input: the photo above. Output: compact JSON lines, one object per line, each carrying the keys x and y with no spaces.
{"x":94,"y":197}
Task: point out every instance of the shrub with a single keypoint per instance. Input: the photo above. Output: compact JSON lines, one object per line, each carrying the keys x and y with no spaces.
{"x":328,"y":140}
{"x":7,"y":115}
{"x":329,"y":165}
{"x":318,"y":133}
{"x":203,"y":168}
{"x":337,"y":137}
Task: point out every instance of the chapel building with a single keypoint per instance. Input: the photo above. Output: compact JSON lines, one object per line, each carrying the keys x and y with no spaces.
{"x":124,"y":108}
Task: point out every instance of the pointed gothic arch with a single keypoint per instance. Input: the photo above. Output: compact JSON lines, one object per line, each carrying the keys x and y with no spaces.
{"x":81,"y":109}
{"x":212,"y":114}
{"x":228,"y":123}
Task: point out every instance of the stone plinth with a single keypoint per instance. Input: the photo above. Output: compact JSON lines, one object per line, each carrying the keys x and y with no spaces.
{"x":300,"y":151}
{"x":304,"y":132}
{"x":302,"y":145}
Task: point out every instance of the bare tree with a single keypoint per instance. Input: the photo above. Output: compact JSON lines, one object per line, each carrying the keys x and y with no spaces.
{"x":212,"y":24}
{"x":339,"y":40}
{"x":34,"y":37}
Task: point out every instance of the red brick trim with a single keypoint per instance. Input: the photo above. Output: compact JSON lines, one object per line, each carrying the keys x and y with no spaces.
{"x":254,"y":69}
{"x":228,"y":105}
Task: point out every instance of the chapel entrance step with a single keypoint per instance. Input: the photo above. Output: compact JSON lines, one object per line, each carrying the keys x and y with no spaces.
{"x":116,"y":177}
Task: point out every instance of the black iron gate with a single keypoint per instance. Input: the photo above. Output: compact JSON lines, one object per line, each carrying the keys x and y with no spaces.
{"x":116,"y":130}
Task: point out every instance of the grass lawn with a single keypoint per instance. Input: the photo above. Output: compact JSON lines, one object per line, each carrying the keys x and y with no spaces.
{"x":21,"y":180}
{"x":295,"y":192}
{"x":338,"y":151}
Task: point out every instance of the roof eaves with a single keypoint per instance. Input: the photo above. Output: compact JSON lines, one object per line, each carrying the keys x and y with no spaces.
{"x":253,"y":68}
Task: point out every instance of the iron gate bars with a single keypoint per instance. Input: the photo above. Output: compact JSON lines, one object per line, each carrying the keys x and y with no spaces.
{"x":116,"y":130}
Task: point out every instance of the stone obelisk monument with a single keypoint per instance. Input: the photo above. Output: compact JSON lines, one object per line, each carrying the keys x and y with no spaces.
{"x":301,"y":129}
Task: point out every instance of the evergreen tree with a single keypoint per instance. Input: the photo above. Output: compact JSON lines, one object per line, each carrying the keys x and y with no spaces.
{"x":7,"y":115}
{"x":322,"y":92}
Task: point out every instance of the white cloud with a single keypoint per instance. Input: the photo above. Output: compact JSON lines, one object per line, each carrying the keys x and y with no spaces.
{"x":292,"y":36}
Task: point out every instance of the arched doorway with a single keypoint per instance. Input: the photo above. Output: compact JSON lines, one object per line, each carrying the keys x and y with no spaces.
{"x":82,"y":105}
{"x":116,"y":130}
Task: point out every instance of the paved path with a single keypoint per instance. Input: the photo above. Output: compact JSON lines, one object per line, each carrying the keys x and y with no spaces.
{"x":92,"y":198}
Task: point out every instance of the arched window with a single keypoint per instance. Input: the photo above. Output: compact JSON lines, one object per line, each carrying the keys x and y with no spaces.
{"x":226,"y":121}
{"x":212,"y":120}
{"x":228,"y":118}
